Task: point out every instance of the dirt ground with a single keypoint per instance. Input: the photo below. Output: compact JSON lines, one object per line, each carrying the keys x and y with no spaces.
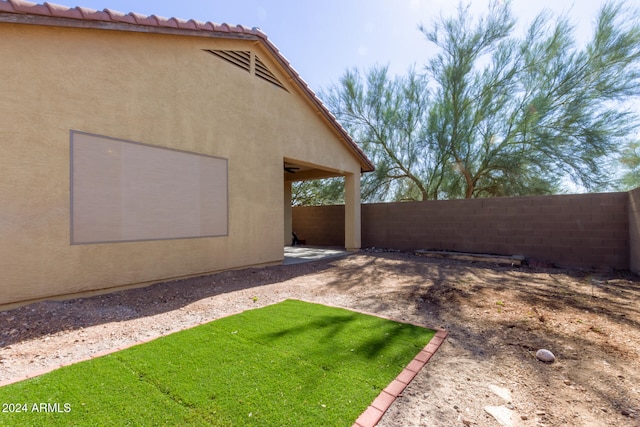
{"x":485,"y":373}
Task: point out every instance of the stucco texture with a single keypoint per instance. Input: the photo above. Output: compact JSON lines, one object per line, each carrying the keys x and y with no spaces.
{"x":157,"y":89}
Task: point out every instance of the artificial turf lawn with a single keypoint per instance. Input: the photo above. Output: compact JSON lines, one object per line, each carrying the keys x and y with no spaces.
{"x":289,"y":364}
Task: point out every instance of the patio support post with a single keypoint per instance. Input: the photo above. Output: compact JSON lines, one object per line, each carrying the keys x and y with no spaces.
{"x":288,"y":212}
{"x":352,"y":237}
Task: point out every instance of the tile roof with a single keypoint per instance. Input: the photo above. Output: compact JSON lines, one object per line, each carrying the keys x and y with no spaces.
{"x":108,"y":15}
{"x":131,"y":21}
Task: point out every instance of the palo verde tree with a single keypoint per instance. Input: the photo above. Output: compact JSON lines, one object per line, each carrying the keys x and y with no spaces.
{"x":494,"y":114}
{"x":630,"y":160}
{"x":327,"y":191}
{"x":387,"y":117}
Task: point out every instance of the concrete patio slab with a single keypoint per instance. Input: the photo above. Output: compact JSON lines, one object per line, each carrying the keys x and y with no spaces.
{"x":300,"y":254}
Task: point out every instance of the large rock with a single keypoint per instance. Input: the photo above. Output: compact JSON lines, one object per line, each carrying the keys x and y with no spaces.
{"x":545,"y":356}
{"x":503,"y":415}
{"x":501,"y":392}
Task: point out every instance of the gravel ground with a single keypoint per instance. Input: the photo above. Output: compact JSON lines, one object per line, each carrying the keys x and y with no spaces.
{"x":485,"y":374}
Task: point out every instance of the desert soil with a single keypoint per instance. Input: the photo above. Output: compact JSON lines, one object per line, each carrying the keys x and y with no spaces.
{"x":485,"y":373}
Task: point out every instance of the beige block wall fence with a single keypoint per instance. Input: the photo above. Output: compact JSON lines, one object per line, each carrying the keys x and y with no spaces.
{"x":584,"y":230}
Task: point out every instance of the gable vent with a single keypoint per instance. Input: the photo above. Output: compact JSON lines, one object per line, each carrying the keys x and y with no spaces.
{"x":244,"y":59}
{"x":264,"y":73}
{"x":239,"y":58}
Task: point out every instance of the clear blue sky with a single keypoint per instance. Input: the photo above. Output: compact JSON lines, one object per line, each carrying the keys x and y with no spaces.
{"x":322,"y":38}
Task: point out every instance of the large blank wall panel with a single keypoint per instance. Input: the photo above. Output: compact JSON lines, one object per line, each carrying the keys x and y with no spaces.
{"x":126,"y":191}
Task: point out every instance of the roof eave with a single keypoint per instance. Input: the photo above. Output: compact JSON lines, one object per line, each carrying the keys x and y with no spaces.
{"x":365,"y":163}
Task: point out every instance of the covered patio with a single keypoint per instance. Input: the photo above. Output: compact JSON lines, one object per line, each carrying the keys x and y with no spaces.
{"x":295,"y":170}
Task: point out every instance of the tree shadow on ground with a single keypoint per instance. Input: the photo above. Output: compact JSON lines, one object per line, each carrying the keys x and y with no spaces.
{"x":20,"y":324}
{"x":470,"y":300}
{"x":464,"y":298}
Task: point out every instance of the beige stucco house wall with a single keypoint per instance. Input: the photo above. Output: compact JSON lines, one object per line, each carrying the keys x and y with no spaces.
{"x":149,"y":82}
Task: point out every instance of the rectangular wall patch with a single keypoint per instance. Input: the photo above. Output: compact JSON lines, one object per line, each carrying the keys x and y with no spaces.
{"x":126,"y":191}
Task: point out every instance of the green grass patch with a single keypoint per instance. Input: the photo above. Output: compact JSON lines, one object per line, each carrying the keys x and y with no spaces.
{"x":292,"y":363}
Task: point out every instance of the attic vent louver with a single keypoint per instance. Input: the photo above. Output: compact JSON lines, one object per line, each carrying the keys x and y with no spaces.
{"x":239,"y":58}
{"x":264,"y":73}
{"x":243,"y":59}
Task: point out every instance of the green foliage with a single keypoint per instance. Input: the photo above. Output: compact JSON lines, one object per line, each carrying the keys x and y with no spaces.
{"x":292,"y":363}
{"x":495,"y":114}
{"x":329,"y":191}
{"x":385,"y":116}
{"x":630,"y":160}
